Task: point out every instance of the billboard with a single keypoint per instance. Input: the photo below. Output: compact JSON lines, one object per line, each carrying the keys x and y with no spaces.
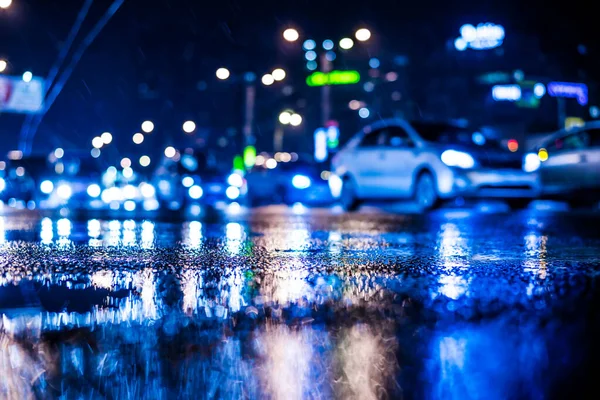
{"x":18,"y":96}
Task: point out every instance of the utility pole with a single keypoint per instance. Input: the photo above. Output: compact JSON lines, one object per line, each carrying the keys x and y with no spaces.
{"x":250,"y":101}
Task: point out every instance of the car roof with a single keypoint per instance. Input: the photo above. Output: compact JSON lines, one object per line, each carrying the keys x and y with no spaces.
{"x":563,"y":132}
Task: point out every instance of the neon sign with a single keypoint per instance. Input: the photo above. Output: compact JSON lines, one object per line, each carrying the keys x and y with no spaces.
{"x":333,"y":78}
{"x":482,"y":37}
{"x":577,"y":91}
{"x":506,"y":93}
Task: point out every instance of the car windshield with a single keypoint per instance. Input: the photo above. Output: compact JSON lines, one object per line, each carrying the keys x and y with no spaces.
{"x":454,"y":135}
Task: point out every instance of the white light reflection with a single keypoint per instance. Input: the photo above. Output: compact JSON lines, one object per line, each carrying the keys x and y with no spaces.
{"x":129,"y":233}
{"x":335,"y":242}
{"x":94,"y":229}
{"x":46,"y":232}
{"x":103,"y":279}
{"x":235,"y":235}
{"x":454,"y":253}
{"x":147,"y":287}
{"x":193,"y":236}
{"x":191,"y":287}
{"x":536,"y":253}
{"x":63,"y":229}
{"x":147,"y":235}
{"x":114,"y":233}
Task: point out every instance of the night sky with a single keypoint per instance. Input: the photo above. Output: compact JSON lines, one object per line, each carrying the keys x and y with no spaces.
{"x":173,"y":47}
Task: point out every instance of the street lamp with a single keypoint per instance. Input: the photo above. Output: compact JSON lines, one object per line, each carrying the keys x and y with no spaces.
{"x":362,"y":35}
{"x":3,"y":65}
{"x":189,"y":126}
{"x":291,"y":35}
{"x":267,"y":79}
{"x":295,"y":119}
{"x":147,"y":126}
{"x":278,"y":74}
{"x":4,"y":4}
{"x":223,"y":73}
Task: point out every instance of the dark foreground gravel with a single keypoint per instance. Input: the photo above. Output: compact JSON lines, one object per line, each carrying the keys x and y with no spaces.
{"x":451,"y":305}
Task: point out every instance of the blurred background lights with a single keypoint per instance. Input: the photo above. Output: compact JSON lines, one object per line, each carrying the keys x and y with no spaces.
{"x":3,"y":65}
{"x":94,"y":190}
{"x":346,"y":43}
{"x":311,"y":65}
{"x":278,"y":74}
{"x":330,"y":55}
{"x":354,"y":105}
{"x":59,"y":153}
{"x":543,"y":154}
{"x":362,"y":35}
{"x":513,"y":145}
{"x":127,"y":172}
{"x":369,"y":86}
{"x":232,"y":193}
{"x":187,"y":181}
{"x":468,"y":32}
{"x":195,"y":192}
{"x":106,"y":137}
{"x":594,"y":112}
{"x":95,"y":153}
{"x":144,"y":161}
{"x":189,"y":126}
{"x":539,"y":90}
{"x":309,"y":45}
{"x":271,"y":163}
{"x":391,"y":76}
{"x":4,"y":4}
{"x":295,"y":119}
{"x":170,"y":152}
{"x":267,"y":79}
{"x":374,"y":63}
{"x":310,"y":55}
{"x":328,"y":44}
{"x":222,"y":73}
{"x":97,"y":142}
{"x":138,"y":138}
{"x":147,"y":126}
{"x":285,"y":117}
{"x":125,"y":162}
{"x":460,"y":44}
{"x":47,"y":187}
{"x":27,"y":76}
{"x":291,"y":35}
{"x":364,"y":112}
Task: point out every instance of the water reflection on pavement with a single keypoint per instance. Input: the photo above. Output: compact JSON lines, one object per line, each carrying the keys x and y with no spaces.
{"x":453,"y":305}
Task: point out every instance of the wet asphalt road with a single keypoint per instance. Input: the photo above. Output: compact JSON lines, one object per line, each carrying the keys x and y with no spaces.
{"x":285,"y":304}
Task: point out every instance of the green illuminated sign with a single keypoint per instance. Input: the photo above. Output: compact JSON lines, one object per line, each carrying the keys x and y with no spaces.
{"x":249,"y":156}
{"x":238,"y":163}
{"x":333,"y":78}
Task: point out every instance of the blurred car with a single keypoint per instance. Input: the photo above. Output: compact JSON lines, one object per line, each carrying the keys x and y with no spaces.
{"x":288,"y":183}
{"x":429,"y":162}
{"x":570,"y":165}
{"x":188,"y":179}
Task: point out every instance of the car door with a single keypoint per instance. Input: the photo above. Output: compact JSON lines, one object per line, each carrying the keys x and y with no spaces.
{"x":397,"y":161}
{"x":366,"y":166}
{"x":565,"y":168}
{"x":591,"y":159}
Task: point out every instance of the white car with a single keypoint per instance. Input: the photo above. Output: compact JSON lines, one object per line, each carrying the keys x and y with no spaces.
{"x":570,"y":167}
{"x":429,"y":162}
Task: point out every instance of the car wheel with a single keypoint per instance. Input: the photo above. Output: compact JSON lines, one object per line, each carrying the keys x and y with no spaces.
{"x":518,"y":204}
{"x":348,"y":197}
{"x":425,"y":193}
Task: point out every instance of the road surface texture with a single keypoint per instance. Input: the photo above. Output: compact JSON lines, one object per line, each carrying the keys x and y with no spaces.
{"x":300,"y":304}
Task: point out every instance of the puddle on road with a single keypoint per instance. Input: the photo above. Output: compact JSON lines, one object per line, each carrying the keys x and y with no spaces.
{"x":286,"y":314}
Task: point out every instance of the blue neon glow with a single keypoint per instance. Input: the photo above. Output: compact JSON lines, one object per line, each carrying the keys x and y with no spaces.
{"x":539,"y":90}
{"x":310,"y":55}
{"x":506,"y":92}
{"x":309,"y":45}
{"x":577,"y":91}
{"x":478,"y":138}
{"x":374,"y":63}
{"x":484,"y":36}
{"x":301,"y":181}
{"x":328,"y":44}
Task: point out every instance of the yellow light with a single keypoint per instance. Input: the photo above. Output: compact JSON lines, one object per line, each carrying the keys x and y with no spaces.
{"x":278,"y":74}
{"x":267,"y":79}
{"x":285,"y":117}
{"x":346,"y":43}
{"x":4,"y":4}
{"x":543,"y":154}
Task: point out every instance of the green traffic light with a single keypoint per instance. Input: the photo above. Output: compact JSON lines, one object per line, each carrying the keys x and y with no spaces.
{"x":333,"y":78}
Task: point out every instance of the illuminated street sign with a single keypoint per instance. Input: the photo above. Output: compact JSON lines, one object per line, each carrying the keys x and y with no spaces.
{"x":506,"y":92}
{"x":20,"y":96}
{"x":333,"y":78}
{"x":577,"y":91}
{"x":483,"y":37}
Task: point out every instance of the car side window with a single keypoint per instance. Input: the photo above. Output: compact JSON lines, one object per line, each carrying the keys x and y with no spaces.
{"x":594,"y":137}
{"x":575,"y":141}
{"x":371,"y":139}
{"x":396,"y":136}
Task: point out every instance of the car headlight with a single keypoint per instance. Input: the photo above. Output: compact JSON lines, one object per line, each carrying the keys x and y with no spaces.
{"x":47,"y":187}
{"x":531,"y":162}
{"x":301,"y":181}
{"x":460,"y":159}
{"x":64,"y":191}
